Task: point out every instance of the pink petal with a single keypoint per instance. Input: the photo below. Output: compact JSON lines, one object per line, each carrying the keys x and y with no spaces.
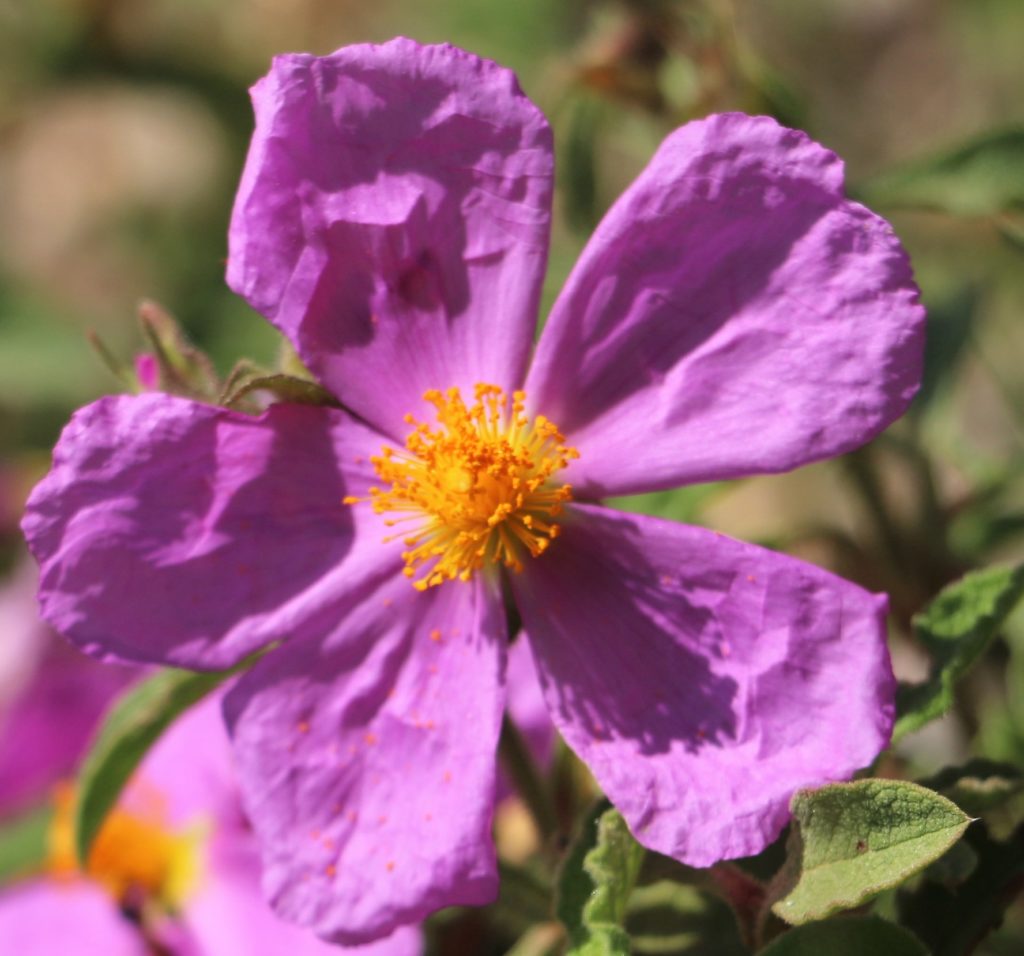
{"x":526,"y":702}
{"x":51,"y":697}
{"x":367,"y":762}
{"x":701,"y":679}
{"x":392,"y":221}
{"x":175,"y":532}
{"x":733,"y":314}
{"x":43,"y":917}
{"x":228,"y":914}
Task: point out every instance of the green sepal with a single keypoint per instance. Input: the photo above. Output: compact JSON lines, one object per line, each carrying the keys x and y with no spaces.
{"x":124,"y":374}
{"x":246,"y":379}
{"x":850,"y":841}
{"x":183,"y":369}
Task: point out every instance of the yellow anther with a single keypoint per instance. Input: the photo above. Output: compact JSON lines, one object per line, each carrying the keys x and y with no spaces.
{"x":478,"y":486}
{"x":134,"y":854}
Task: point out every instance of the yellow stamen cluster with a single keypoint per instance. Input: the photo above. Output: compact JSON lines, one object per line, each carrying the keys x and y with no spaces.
{"x":135,"y":857}
{"x":477,"y":488}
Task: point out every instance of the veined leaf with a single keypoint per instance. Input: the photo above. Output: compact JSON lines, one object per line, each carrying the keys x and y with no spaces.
{"x":852,"y":840}
{"x":957,"y":628}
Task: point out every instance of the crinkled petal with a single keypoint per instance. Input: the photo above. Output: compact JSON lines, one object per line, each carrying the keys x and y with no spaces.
{"x":393,"y":219}
{"x":180,"y":533}
{"x":51,"y":697}
{"x":228,"y":914}
{"x":367,"y":761}
{"x":703,"y":680}
{"x":733,"y":314}
{"x":42,"y":917}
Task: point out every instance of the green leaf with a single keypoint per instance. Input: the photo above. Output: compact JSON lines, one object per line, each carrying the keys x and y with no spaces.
{"x":852,"y":840}
{"x":957,"y":628}
{"x":23,"y":844}
{"x":978,"y":786}
{"x":669,"y":917}
{"x":849,"y":936}
{"x":131,"y":727}
{"x":595,"y":883}
{"x":952,"y":919}
{"x":984,"y":176}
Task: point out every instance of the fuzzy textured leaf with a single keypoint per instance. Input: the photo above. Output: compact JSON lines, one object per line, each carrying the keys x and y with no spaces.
{"x":132,"y":726}
{"x":595,"y":883}
{"x":957,"y":628}
{"x":852,"y":840}
{"x":850,"y":936}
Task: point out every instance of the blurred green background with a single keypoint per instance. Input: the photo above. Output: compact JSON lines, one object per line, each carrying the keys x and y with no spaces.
{"x":123,"y":127}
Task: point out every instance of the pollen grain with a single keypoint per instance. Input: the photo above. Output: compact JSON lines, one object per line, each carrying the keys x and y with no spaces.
{"x":477,"y":488}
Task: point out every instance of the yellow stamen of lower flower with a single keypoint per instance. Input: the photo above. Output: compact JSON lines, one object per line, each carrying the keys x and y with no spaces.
{"x":135,"y":856}
{"x":477,"y":488}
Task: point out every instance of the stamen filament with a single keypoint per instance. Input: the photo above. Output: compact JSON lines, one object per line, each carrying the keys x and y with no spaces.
{"x":479,"y":484}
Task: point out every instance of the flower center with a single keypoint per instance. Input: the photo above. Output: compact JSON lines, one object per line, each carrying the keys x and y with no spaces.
{"x":477,"y":488}
{"x":135,"y":856}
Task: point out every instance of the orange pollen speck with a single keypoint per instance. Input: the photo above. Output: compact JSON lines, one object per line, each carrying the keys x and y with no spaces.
{"x":476,"y":489}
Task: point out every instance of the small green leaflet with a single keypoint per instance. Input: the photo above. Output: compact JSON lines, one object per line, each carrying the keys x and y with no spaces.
{"x":957,"y":628}
{"x":131,"y":727}
{"x":849,"y":936}
{"x":852,"y":840}
{"x":595,"y":883}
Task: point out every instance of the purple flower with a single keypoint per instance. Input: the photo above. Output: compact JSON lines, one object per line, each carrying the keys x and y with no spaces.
{"x":51,"y":698}
{"x":174,"y":868}
{"x":733,"y":314}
